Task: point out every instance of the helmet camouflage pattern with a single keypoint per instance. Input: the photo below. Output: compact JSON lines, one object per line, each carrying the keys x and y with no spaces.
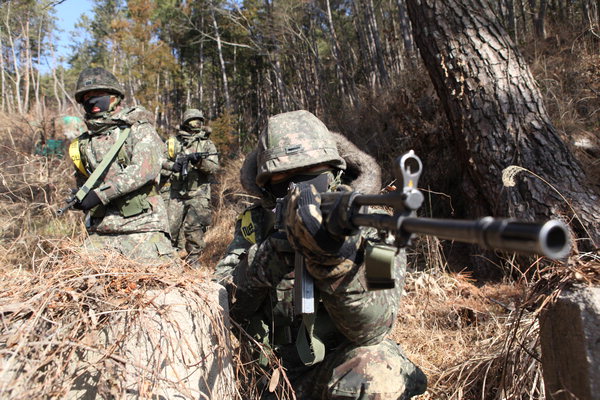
{"x":192,"y":113}
{"x":292,"y":140}
{"x":96,"y":79}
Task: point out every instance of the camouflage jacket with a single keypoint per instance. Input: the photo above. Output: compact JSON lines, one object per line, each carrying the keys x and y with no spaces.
{"x":261,"y":296}
{"x":197,"y":182}
{"x":131,"y":178}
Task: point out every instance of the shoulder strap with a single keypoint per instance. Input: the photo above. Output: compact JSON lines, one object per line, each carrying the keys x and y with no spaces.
{"x":106,"y":161}
{"x":75,"y":155}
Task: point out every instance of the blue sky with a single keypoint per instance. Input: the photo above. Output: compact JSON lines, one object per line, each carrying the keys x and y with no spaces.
{"x":68,"y":14}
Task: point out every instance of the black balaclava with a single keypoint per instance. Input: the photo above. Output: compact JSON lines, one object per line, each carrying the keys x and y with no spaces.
{"x":102,"y":102}
{"x":320,"y":180}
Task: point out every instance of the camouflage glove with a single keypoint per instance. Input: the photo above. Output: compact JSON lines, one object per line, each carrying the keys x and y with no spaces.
{"x":308,"y":235}
{"x":271,"y":260}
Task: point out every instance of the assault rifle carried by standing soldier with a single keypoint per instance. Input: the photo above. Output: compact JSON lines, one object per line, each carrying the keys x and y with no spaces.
{"x":192,"y":160}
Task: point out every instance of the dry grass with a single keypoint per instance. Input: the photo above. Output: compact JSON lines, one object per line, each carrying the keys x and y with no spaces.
{"x":31,"y":188}
{"x":52,"y":318}
{"x":228,"y":200}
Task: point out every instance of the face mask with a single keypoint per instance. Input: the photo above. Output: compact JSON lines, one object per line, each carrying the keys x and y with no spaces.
{"x":319,"y":181}
{"x":102,"y":102}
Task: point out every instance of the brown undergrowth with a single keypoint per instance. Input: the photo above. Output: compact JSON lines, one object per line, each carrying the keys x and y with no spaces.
{"x":53,"y":319}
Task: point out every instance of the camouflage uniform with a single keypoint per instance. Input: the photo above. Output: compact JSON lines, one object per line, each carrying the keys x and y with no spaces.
{"x":352,"y":322}
{"x":131,"y":217}
{"x":188,"y":197}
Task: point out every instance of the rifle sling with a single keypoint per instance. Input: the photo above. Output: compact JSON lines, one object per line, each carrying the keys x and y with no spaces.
{"x":310,"y":348}
{"x":104,"y":164}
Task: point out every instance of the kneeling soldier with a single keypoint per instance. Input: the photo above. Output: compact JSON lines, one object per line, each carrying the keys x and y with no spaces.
{"x":339,"y":351}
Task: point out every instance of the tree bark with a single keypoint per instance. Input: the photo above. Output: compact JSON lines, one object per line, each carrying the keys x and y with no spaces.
{"x":498,"y":119}
{"x":3,"y":105}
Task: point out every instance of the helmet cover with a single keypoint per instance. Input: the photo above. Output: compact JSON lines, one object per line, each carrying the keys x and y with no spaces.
{"x":293,"y":140}
{"x":97,"y":79}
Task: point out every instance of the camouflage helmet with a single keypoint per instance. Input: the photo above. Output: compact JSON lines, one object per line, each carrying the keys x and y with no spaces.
{"x":192,"y":113}
{"x":292,"y":140}
{"x":96,"y":79}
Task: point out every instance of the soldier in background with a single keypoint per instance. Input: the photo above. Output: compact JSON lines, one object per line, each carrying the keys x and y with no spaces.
{"x":343,"y":352}
{"x":68,"y":126}
{"x":192,"y":160}
{"x":124,"y":210}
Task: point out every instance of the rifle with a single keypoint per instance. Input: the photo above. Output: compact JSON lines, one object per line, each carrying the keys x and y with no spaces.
{"x":185,"y":159}
{"x":71,"y":201}
{"x":344,"y":213}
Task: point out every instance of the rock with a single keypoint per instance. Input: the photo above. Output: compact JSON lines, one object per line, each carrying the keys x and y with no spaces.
{"x":176,"y":347}
{"x":570,"y":341}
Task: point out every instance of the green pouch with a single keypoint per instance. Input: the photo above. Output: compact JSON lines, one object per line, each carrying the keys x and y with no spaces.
{"x":259,"y":330}
{"x":379,"y":266}
{"x":136,"y":202}
{"x":133,"y":204}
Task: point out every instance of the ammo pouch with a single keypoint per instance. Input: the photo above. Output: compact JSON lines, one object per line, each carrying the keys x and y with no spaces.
{"x":129,"y":205}
{"x":136,"y":202}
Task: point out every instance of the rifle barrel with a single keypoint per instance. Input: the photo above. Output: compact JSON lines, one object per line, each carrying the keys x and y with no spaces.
{"x":549,"y":238}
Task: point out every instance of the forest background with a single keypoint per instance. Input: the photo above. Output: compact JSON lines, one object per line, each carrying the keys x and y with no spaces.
{"x":368,"y":70}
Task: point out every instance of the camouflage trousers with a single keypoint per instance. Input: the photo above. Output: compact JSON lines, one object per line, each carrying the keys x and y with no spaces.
{"x":188,"y":221}
{"x":140,"y":246}
{"x":378,"y":372}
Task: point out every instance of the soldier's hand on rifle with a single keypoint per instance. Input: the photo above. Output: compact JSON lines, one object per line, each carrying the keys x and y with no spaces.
{"x":90,"y":201}
{"x":178,"y":164}
{"x":195,"y":157}
{"x":308,"y":234}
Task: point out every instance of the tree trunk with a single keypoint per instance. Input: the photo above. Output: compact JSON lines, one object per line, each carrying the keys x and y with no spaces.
{"x":405,"y":28}
{"x":378,"y":47}
{"x":17,"y":79}
{"x":221,"y":59}
{"x":26,"y":63}
{"x":57,"y":96}
{"x":335,"y":52}
{"x":498,"y":119}
{"x":539,"y":21}
{"x":3,"y":106}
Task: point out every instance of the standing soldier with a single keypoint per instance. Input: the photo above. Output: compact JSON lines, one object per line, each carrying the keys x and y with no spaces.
{"x":340,"y":351}
{"x":192,"y":159}
{"x":118,"y":162}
